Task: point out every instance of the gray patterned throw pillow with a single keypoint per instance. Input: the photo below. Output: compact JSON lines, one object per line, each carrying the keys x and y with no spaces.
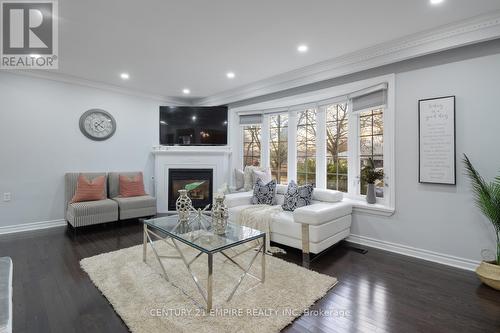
{"x":297,"y":196}
{"x":264,"y":194}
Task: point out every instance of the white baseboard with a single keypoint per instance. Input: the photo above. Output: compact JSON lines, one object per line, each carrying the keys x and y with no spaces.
{"x":362,"y":240}
{"x":31,"y":226}
{"x":440,"y":258}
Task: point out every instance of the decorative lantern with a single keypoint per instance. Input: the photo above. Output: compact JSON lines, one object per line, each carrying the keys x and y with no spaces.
{"x":219,"y":215}
{"x":183,"y":206}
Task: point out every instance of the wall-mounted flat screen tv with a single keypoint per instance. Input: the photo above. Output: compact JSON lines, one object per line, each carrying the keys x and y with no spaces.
{"x":193,"y":125}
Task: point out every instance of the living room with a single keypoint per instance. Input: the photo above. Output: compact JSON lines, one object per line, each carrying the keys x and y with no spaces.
{"x":250,"y":166}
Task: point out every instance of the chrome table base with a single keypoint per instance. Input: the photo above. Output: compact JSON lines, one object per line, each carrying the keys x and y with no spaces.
{"x":206,"y":293}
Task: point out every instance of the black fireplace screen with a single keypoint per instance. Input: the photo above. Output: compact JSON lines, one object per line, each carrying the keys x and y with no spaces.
{"x":197,"y":181}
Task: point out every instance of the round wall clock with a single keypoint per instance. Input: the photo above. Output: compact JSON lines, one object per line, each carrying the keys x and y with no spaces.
{"x":97,"y":124}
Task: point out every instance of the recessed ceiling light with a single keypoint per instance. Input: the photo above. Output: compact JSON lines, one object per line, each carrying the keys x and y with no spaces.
{"x":302,"y":48}
{"x":436,"y":2}
{"x":194,"y":118}
{"x":125,"y":76}
{"x":186,"y":91}
{"x":230,"y":75}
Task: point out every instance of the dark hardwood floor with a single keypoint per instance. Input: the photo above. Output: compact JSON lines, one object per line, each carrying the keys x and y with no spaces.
{"x":377,"y":291}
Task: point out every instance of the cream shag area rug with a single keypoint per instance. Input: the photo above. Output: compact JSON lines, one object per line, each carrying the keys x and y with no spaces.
{"x":148,"y":303}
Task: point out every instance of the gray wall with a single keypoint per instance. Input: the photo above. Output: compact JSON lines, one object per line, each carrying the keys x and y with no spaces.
{"x":436,"y":219}
{"x":40,"y":140}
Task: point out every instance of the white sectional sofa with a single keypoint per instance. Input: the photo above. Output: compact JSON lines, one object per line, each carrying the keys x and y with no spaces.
{"x":312,"y":228}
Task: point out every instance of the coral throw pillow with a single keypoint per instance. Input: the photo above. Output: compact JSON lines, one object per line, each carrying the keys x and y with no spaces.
{"x":89,"y":190}
{"x":132,"y":186}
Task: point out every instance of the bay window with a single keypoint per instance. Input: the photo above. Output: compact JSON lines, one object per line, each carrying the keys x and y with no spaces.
{"x":251,"y":145}
{"x":306,"y":147}
{"x":371,"y":144}
{"x":278,"y":146}
{"x":327,"y":141}
{"x":336,"y":147}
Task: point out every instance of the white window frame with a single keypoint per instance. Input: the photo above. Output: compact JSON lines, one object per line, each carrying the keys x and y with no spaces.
{"x":242,"y":140}
{"x":353,"y":143}
{"x":384,"y":206}
{"x":297,"y":111}
{"x":287,"y":138}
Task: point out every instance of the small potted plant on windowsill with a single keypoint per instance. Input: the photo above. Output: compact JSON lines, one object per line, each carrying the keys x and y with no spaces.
{"x":487,"y":197}
{"x":370,"y":175}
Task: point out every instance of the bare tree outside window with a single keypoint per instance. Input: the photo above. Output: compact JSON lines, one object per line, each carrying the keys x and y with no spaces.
{"x":371,"y":144}
{"x":336,"y":147}
{"x":370,"y":135}
{"x":278,"y":146}
{"x":306,"y":147}
{"x":251,"y":145}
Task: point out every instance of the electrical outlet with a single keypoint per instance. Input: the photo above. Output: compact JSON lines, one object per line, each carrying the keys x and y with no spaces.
{"x":7,"y":196}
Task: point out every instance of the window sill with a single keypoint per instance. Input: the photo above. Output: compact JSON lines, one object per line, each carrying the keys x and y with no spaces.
{"x":361,"y":206}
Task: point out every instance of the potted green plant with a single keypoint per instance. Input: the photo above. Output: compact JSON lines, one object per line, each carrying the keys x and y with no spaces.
{"x":369,"y":174}
{"x":487,"y":197}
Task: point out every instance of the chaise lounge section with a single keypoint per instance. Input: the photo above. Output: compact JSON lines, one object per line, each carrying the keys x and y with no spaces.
{"x":313,"y":228}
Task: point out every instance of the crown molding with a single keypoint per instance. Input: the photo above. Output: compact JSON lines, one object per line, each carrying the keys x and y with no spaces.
{"x":59,"y":77}
{"x":475,"y":30}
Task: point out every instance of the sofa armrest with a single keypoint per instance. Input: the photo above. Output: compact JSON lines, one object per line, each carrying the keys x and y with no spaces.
{"x":238,"y":199}
{"x":320,"y":213}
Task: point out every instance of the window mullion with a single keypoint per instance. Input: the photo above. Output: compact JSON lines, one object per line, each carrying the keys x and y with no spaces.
{"x":388,"y":146}
{"x":241,"y":156}
{"x":321,"y":148}
{"x":292,"y":145}
{"x":264,"y":142}
{"x":353,"y":153}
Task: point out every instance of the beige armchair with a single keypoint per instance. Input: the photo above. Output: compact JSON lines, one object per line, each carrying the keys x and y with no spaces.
{"x":130,"y":207}
{"x":81,"y":214}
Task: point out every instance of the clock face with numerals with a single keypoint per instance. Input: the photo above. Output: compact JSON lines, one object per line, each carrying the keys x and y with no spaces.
{"x":97,"y":124}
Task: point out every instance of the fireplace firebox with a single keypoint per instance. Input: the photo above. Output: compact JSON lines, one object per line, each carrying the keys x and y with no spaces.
{"x":200,"y":179}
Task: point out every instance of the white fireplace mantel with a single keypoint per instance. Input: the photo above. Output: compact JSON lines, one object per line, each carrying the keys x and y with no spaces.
{"x":216,"y":158}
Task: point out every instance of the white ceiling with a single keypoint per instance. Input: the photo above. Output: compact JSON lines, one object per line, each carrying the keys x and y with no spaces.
{"x":168,"y":45}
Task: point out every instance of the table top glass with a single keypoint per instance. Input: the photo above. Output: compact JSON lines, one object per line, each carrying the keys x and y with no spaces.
{"x":197,"y":232}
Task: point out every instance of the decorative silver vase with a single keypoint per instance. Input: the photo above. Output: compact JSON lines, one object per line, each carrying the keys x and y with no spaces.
{"x":371,"y":198}
{"x":219,"y":215}
{"x":183,"y":206}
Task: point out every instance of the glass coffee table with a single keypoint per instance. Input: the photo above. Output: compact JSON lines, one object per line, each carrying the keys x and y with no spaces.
{"x":197,"y":234}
